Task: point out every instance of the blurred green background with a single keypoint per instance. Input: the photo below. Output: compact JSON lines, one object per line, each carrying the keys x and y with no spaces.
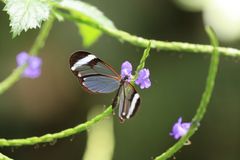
{"x":55,"y":101}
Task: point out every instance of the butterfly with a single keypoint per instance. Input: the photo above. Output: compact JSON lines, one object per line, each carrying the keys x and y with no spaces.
{"x":96,"y":76}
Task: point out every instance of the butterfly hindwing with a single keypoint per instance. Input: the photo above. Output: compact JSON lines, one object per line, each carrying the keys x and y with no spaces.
{"x":100,"y":83}
{"x":128,"y":101}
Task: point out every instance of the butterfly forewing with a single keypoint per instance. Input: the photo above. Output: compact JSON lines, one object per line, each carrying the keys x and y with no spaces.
{"x":94,"y":75}
{"x":128,"y":101}
{"x":84,"y":63}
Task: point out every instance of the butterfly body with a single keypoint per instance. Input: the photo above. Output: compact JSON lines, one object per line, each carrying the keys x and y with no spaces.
{"x":96,"y":76}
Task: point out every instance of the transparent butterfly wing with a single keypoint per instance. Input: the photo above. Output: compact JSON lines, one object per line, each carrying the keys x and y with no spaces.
{"x":100,"y":83}
{"x":94,"y":75}
{"x":128,"y":101}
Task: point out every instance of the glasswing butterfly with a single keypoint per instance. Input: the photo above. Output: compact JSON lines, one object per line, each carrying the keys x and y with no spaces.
{"x":96,"y":76}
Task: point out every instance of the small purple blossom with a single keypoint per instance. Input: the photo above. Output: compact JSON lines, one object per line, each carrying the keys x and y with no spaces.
{"x":126,"y":70}
{"x":143,"y":78}
{"x":33,"y":69}
{"x":180,"y":129}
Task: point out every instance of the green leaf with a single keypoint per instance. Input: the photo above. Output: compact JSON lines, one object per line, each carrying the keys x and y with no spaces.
{"x":86,"y":12}
{"x":26,"y":14}
{"x":89,"y":34}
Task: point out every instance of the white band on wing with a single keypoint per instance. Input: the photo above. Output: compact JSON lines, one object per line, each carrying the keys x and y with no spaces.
{"x":83,"y":61}
{"x":133,"y":105}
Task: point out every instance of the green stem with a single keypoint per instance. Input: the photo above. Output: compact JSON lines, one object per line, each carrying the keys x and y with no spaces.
{"x":144,"y":57}
{"x":38,"y":44}
{"x":155,"y":44}
{"x":142,"y":61}
{"x":3,"y":157}
{"x":53,"y":137}
{"x":204,"y":101}
{"x":169,"y":46}
{"x":42,"y":36}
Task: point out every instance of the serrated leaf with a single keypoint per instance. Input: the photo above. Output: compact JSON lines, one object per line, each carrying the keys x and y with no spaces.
{"x":26,"y":14}
{"x":89,"y":34}
{"x":86,"y":11}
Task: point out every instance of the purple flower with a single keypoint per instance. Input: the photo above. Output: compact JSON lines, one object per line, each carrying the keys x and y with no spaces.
{"x":33,"y":69}
{"x":143,"y":78}
{"x":180,"y":129}
{"x":126,"y":71}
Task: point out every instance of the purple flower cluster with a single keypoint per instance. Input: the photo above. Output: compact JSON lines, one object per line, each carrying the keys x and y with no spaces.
{"x":180,"y":129}
{"x":143,"y":76}
{"x":34,"y":63}
{"x":143,"y":79}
